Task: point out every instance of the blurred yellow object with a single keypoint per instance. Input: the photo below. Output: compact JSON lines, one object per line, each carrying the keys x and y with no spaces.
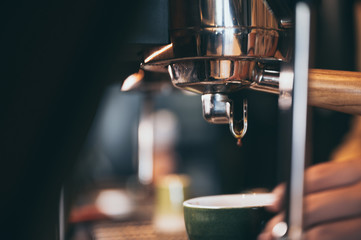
{"x":171,"y":191}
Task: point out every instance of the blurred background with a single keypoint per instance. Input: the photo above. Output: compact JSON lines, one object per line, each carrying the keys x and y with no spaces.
{"x":82,"y":159}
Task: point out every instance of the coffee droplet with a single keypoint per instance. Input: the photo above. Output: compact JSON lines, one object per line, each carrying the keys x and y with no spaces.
{"x":239,"y":142}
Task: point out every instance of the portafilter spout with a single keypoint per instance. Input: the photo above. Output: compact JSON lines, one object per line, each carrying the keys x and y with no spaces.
{"x":219,"y":109}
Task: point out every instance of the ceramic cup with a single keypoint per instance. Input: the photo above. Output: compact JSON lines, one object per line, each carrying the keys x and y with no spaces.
{"x":226,"y":217}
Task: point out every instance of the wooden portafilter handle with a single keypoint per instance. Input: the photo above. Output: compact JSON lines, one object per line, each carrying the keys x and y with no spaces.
{"x":335,"y":90}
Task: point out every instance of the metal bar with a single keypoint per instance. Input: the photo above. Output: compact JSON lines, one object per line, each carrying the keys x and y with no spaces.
{"x":302,"y":36}
{"x":61,"y":233}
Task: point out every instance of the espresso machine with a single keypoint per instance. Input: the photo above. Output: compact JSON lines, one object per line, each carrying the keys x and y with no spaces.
{"x":59,"y":57}
{"x":222,"y":49}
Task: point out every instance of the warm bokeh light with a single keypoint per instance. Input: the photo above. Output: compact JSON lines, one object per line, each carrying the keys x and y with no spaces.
{"x":114,"y":203}
{"x":157,"y":53}
{"x":132,"y":81}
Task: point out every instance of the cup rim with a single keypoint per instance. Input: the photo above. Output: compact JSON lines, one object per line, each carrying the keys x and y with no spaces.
{"x":231,"y":201}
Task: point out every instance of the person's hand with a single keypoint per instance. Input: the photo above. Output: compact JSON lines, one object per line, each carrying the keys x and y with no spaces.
{"x":332,"y":202}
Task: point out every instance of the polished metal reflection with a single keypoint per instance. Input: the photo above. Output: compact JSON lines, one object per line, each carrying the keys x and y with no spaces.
{"x":219,"y":109}
{"x":224,"y":76}
{"x":216,"y":108}
{"x":211,"y":76}
{"x":242,"y":28}
{"x":239,"y":127}
{"x":220,"y":42}
{"x":299,"y":124}
{"x":223,"y":46}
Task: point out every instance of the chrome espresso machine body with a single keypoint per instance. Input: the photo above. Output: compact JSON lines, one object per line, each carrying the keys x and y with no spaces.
{"x":221,"y":47}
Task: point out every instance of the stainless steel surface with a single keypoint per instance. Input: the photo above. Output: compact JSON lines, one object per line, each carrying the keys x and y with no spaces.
{"x":223,"y":46}
{"x":211,"y":76}
{"x":239,"y":127}
{"x":241,"y":28}
{"x":219,"y":109}
{"x":266,"y":78}
{"x":302,"y":38}
{"x":216,"y":45}
{"x":285,"y":87}
{"x":216,"y":108}
{"x":224,"y":76}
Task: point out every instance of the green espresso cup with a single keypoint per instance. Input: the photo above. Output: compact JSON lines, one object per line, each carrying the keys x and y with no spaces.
{"x":227,"y":217}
